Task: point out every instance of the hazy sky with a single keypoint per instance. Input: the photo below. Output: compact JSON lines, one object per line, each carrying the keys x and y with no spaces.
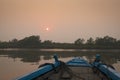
{"x":67,"y":20}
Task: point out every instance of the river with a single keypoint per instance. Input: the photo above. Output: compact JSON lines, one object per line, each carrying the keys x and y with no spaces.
{"x":17,"y":62}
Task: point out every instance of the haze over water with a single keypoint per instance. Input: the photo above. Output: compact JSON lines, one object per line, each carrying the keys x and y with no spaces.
{"x":15,"y":63}
{"x":66,"y":20}
{"x":59,"y":21}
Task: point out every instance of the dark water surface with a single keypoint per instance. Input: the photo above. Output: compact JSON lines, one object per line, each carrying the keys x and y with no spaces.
{"x":16,"y":62}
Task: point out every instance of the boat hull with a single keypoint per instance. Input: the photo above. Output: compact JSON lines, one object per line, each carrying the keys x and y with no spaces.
{"x":75,"y":69}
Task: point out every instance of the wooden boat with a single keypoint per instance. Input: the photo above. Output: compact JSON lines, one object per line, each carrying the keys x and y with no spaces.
{"x":75,"y":69}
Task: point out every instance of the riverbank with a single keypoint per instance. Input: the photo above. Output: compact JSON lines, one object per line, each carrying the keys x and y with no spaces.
{"x":56,"y":49}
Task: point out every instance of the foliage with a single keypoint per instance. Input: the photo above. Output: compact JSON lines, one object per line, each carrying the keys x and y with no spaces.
{"x":106,"y":42}
{"x":79,"y":41}
{"x":47,"y":42}
{"x":29,"y":42}
{"x":90,"y":41}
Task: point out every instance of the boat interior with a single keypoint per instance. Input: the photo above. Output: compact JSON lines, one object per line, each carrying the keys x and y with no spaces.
{"x":66,"y":72}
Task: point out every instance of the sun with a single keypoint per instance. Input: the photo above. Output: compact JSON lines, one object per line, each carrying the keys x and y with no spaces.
{"x":47,"y":29}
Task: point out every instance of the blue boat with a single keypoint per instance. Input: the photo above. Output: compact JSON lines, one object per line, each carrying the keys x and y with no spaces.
{"x":75,"y":69}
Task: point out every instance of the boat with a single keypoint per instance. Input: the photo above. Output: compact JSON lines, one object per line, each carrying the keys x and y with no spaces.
{"x":75,"y":69}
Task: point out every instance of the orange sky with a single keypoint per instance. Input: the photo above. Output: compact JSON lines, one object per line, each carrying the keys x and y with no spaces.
{"x":67,"y":20}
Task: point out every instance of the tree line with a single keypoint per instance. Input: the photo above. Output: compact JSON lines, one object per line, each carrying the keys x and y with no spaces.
{"x":105,"y":42}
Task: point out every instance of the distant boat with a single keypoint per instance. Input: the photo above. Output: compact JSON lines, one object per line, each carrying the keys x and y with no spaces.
{"x":75,"y":69}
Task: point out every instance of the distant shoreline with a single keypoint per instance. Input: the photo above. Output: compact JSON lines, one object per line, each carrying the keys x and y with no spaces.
{"x":34,"y":42}
{"x":55,"y":49}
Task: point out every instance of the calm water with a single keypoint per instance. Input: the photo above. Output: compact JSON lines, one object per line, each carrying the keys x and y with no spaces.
{"x":15,"y":62}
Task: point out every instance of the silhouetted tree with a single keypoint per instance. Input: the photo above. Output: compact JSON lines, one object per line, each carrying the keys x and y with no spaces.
{"x":79,"y":42}
{"x":13,"y":43}
{"x":4,"y":45}
{"x":106,"y":41}
{"x":90,"y":41}
{"x":118,"y":43}
{"x":47,"y":42}
{"x":99,"y":41}
{"x":30,"y":42}
{"x":109,"y":41}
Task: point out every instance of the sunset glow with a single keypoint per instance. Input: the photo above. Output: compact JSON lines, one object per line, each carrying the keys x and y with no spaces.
{"x":65,"y":20}
{"x":32,"y":31}
{"x":47,"y":29}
